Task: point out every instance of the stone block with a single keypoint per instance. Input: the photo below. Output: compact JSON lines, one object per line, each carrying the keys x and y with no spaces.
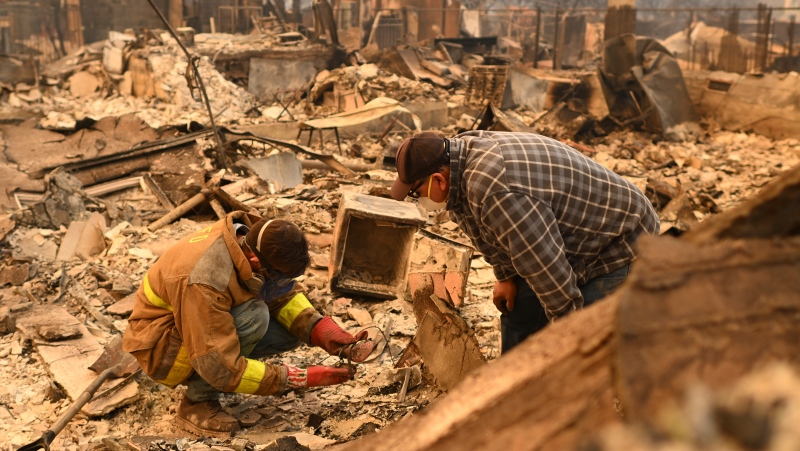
{"x":372,"y":242}
{"x":268,"y":76}
{"x":124,"y":306}
{"x":432,"y":114}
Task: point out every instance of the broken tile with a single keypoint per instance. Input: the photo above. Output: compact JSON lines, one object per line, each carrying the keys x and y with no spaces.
{"x":362,"y":317}
{"x":68,"y":361}
{"x":123,"y":307}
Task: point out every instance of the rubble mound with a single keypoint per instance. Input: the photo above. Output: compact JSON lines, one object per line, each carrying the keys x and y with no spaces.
{"x":371,"y":82}
{"x":154,"y":87}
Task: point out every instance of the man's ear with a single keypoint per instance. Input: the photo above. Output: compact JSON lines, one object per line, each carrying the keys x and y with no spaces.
{"x":441,"y":181}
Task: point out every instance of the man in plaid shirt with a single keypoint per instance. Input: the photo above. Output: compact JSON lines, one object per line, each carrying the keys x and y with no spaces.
{"x":557,"y":227}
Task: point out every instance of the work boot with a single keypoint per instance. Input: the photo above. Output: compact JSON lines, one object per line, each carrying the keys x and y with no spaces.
{"x":206,"y":418}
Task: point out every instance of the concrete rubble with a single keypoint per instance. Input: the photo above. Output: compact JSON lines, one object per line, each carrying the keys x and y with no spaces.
{"x":108,"y":158}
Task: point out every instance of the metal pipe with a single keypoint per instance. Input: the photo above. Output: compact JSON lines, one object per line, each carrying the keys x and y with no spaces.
{"x":538,"y":31}
{"x":221,"y":159}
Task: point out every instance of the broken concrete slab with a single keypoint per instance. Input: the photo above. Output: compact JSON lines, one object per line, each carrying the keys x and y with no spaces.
{"x":267,"y":77}
{"x":37,"y":151}
{"x":59,"y":332}
{"x":762,"y":103}
{"x":539,"y":90}
{"x":356,"y":264}
{"x":281,"y":171}
{"x":68,"y":361}
{"x":432,"y":115}
{"x":83,"y":238}
{"x":450,"y":353}
{"x":14,"y":274}
{"x":445,"y":342}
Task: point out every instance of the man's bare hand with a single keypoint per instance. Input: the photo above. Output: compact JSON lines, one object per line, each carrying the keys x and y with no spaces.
{"x":503,"y":296}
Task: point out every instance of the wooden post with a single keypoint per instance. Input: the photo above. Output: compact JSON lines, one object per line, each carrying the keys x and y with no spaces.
{"x":179,"y":211}
{"x":555,"y":40}
{"x":175,"y":12}
{"x":620,"y":18}
{"x":444,"y":19}
{"x":538,"y":31}
{"x":791,"y":38}
{"x":767,"y":28}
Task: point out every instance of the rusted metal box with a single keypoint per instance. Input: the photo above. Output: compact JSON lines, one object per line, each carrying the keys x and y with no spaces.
{"x":372,"y":242}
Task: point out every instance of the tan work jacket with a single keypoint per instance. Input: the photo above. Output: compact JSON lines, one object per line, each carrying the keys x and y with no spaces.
{"x":181,"y":320}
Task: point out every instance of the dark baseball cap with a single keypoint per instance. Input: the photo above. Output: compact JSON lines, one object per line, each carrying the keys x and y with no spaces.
{"x":417,"y":158}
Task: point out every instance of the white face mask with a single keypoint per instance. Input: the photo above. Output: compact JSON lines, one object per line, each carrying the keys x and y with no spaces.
{"x":429,"y":204}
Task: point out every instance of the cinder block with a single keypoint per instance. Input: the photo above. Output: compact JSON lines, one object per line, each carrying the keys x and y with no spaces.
{"x":372,"y":242}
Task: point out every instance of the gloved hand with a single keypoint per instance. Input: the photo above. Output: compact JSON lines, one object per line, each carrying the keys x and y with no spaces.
{"x":317,"y":376}
{"x":332,"y":338}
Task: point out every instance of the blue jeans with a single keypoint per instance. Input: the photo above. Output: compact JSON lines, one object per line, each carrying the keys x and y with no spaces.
{"x":259,"y":336}
{"x":528,"y":316}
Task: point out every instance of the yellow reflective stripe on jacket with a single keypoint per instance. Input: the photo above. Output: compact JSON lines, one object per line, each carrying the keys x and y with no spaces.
{"x":152,"y":297}
{"x":251,"y":379}
{"x":180,"y":370}
{"x":292,"y":309}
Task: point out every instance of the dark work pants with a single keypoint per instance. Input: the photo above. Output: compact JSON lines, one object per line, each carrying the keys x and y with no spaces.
{"x":528,"y":316}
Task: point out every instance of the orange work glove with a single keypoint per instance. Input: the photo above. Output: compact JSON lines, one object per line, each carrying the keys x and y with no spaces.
{"x":336,"y":341}
{"x":317,"y":376}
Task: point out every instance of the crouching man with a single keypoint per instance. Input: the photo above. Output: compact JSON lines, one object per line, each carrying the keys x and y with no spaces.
{"x":218,"y":300}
